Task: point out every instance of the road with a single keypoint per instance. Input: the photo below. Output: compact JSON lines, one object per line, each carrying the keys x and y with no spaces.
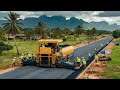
{"x":33,"y":72}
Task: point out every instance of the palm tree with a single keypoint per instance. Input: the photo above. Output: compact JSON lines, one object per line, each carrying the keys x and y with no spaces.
{"x":48,"y":32}
{"x":29,"y":33}
{"x":93,"y":31}
{"x":79,"y":31}
{"x":67,"y":31}
{"x":12,"y":26}
{"x":88,"y":34}
{"x":2,"y":35}
{"x":39,"y":29}
{"x":57,"y":32}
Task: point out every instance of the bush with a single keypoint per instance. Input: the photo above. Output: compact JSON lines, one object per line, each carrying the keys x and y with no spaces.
{"x":64,"y":39}
{"x":116,"y":34}
{"x":5,"y":47}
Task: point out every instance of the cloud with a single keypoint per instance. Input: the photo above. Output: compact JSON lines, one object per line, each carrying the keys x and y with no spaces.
{"x":109,"y":14}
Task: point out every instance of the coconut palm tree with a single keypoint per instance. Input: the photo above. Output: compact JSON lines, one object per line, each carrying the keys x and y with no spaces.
{"x":93,"y":31}
{"x":40,"y":29}
{"x":57,"y":32}
{"x":67,"y":31}
{"x":88,"y":34}
{"x":29,"y":33}
{"x":12,"y":26}
{"x":79,"y":31}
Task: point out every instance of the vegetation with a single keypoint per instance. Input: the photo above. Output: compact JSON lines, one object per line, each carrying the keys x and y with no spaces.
{"x":112,"y":70}
{"x":116,"y":33}
{"x":39,"y":30}
{"x":5,"y":47}
{"x":12,"y":26}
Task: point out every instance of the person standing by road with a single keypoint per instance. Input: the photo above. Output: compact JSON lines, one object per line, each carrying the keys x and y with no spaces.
{"x":96,"y":58}
{"x":22,"y":57}
{"x":101,"y":44}
{"x":96,"y":50}
{"x":89,"y":55}
{"x":84,"y":62}
{"x":14,"y":61}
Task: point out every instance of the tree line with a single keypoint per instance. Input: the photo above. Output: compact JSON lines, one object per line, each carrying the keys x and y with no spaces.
{"x":13,"y":26}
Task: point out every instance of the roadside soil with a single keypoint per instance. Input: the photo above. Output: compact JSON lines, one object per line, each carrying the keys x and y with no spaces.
{"x":9,"y":67}
{"x":96,"y":69}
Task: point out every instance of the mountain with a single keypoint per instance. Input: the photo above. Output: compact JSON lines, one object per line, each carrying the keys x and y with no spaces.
{"x":104,"y":25}
{"x":52,"y":22}
{"x":60,"y":21}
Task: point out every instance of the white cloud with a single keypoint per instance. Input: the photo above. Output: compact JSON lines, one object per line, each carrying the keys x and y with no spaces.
{"x":88,"y":16}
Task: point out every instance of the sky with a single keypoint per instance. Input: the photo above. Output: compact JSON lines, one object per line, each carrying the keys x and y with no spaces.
{"x":109,"y":16}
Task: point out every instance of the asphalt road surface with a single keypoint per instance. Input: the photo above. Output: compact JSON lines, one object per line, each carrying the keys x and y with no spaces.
{"x":33,"y":72}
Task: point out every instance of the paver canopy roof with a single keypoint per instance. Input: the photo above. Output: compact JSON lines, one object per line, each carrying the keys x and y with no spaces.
{"x":50,"y":40}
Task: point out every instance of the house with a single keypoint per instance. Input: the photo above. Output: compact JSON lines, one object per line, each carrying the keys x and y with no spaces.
{"x":19,"y":36}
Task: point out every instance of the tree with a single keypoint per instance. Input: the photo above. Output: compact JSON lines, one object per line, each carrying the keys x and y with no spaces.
{"x":2,"y":35}
{"x":12,"y":26}
{"x":5,"y":47}
{"x":48,"y":32}
{"x":94,"y":31}
{"x":88,"y":34}
{"x":40,"y":29}
{"x":67,"y":31}
{"x":29,"y":33}
{"x":78,"y":31}
{"x":116,"y":34}
{"x":57,"y":32}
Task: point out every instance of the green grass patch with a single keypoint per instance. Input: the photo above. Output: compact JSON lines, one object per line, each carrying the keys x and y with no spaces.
{"x":112,"y":70}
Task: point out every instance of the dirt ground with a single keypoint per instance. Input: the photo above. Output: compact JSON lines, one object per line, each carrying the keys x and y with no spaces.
{"x":96,"y":69}
{"x":9,"y":67}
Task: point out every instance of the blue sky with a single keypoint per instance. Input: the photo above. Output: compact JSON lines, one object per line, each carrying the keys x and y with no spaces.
{"x":109,"y":16}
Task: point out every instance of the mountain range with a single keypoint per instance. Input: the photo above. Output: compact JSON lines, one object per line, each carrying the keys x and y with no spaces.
{"x":62,"y":22}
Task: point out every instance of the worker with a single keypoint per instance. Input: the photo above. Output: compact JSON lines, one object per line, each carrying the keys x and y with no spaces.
{"x":96,"y":50}
{"x":77,"y":61}
{"x":14,"y":61}
{"x":101,"y":45}
{"x":27,"y":56}
{"x":22,"y":57}
{"x":99,"y":55}
{"x":96,"y":58}
{"x":89,"y":55}
{"x":84,"y":62}
{"x":30,"y":56}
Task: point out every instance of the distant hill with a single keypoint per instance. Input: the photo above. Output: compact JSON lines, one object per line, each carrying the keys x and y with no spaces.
{"x":60,"y":21}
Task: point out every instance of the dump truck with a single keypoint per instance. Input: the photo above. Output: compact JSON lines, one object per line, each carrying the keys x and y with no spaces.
{"x":50,"y":53}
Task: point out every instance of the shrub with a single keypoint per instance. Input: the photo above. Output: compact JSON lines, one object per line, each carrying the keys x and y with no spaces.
{"x":64,"y":39}
{"x":5,"y":47}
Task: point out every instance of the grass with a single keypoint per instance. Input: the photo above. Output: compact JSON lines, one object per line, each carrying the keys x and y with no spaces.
{"x":112,"y":70}
{"x":30,"y":46}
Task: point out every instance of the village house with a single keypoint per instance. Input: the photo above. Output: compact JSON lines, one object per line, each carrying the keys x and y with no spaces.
{"x":19,"y":36}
